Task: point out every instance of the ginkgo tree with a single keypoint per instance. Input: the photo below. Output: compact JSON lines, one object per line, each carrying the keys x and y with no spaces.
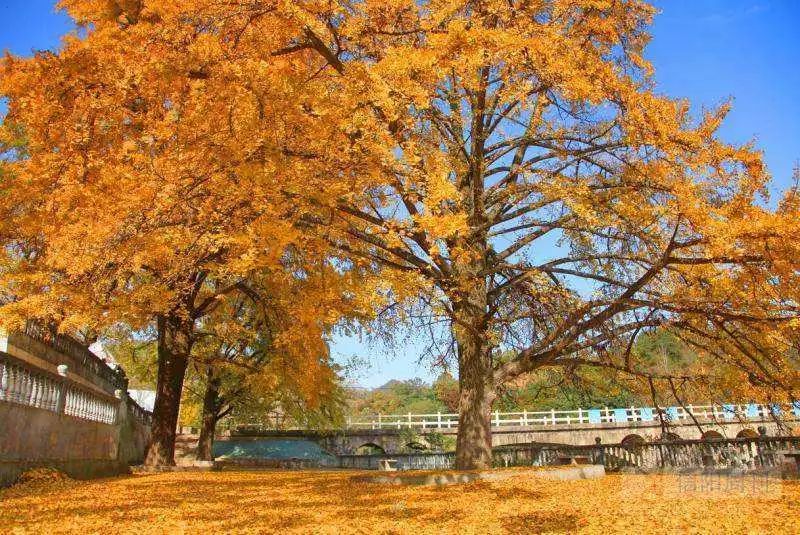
{"x":542,"y":198}
{"x":128,"y":184}
{"x":507,"y":164}
{"x":249,"y":357}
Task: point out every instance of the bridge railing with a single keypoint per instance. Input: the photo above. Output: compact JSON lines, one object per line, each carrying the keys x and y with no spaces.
{"x":711,"y":412}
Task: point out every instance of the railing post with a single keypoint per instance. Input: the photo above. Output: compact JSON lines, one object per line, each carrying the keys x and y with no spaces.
{"x":553,"y":416}
{"x":409,"y":420}
{"x":608,"y":415}
{"x":439,"y":419}
{"x":4,"y":381}
{"x":580,"y":415}
{"x":116,"y":416}
{"x":61,"y":397}
{"x":380,"y":423}
{"x":524,"y":417}
{"x":497,"y":418}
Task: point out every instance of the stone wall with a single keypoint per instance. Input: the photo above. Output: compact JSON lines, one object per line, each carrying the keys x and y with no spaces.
{"x":738,"y":454}
{"x":79,"y":421}
{"x":33,"y":437}
{"x":743,"y":454}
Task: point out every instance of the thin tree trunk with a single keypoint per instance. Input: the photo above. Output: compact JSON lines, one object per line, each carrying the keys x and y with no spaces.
{"x":205,"y":445}
{"x":174,"y":348}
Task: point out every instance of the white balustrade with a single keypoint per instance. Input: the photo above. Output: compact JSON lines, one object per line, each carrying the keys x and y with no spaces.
{"x":20,"y":385}
{"x":572,"y":417}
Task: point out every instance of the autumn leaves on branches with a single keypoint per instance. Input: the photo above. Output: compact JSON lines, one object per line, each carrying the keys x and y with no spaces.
{"x":504,"y":166}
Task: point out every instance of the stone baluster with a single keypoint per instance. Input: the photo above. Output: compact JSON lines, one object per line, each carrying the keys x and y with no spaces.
{"x":44,"y":400}
{"x":9,"y":383}
{"x":47,"y":389}
{"x":16,"y":385}
{"x":12,"y":384}
{"x":54,"y":396}
{"x":33,"y":390}
{"x":21,"y":390}
{"x":72,"y":402}
{"x":70,"y":406}
{"x":28,"y":387}
{"x":3,"y":381}
{"x":37,"y":392}
{"x":69,"y":401}
{"x":41,"y":391}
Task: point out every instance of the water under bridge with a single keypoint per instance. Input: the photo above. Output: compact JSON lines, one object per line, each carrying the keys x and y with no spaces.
{"x":420,"y":432}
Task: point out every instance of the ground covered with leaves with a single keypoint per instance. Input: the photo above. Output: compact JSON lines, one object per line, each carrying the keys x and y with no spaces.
{"x":333,"y":502}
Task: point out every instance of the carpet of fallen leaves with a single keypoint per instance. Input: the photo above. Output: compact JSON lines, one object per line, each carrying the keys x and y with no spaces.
{"x":331,"y":502}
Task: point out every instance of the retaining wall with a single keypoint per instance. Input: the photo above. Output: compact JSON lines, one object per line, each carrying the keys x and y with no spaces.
{"x":81,"y":423}
{"x":744,"y":454}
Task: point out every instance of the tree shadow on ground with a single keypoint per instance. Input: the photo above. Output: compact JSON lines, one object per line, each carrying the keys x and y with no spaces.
{"x":518,"y":493}
{"x":541,"y":522}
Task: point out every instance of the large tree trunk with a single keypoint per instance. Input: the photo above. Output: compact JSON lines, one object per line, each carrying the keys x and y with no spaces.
{"x":205,"y":445}
{"x":474,"y":439}
{"x":475,"y":373}
{"x":174,"y":348}
{"x":470,"y":299}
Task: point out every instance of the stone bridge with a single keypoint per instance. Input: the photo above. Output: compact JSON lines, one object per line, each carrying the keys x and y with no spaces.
{"x":408,"y":433}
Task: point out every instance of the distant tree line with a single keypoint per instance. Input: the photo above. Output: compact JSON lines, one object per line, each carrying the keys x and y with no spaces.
{"x":556,"y":388}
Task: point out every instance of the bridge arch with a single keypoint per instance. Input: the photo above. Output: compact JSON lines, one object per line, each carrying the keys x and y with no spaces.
{"x":747,"y":433}
{"x":633,"y":441}
{"x":712,"y":435}
{"x":370,"y":448}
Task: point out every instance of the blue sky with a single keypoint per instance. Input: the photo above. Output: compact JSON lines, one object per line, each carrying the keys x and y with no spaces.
{"x":703,"y":50}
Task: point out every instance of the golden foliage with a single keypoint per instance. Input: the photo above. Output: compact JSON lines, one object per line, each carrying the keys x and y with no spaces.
{"x":329,"y":502}
{"x":508,"y":164}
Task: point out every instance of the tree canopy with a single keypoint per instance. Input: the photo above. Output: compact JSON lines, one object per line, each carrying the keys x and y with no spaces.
{"x":508,"y":166}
